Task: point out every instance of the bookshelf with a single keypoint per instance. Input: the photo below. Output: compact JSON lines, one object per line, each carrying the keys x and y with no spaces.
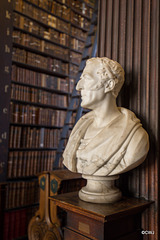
{"x":41,"y":49}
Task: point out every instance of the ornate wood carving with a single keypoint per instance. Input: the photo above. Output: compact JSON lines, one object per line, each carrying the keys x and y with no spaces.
{"x":46,"y":224}
{"x":41,"y":226}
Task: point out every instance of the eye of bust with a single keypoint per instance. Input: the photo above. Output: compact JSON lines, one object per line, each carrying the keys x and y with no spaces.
{"x":86,"y":76}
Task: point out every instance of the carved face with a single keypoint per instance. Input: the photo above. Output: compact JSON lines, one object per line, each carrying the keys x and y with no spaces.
{"x":87,"y":85}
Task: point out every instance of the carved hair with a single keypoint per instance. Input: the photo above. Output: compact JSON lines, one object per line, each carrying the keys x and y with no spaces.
{"x":109,"y":70}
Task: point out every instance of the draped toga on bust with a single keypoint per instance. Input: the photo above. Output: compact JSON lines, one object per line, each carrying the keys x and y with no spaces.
{"x":120,"y":146}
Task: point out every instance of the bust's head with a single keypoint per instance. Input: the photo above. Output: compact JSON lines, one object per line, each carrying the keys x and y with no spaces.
{"x":102,"y":72}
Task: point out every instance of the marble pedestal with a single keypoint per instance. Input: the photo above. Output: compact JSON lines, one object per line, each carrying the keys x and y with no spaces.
{"x":100,"y":189}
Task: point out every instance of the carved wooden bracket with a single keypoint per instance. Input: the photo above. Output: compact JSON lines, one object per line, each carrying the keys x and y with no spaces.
{"x":47,"y":222}
{"x":41,"y":226}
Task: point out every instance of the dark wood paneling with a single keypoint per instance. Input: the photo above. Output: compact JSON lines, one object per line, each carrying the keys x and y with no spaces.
{"x":129,"y":34}
{"x":5,"y":75}
{"x":2,"y":207}
{"x":101,"y":29}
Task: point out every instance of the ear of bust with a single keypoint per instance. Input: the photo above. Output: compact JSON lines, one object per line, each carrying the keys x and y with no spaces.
{"x":109,"y":86}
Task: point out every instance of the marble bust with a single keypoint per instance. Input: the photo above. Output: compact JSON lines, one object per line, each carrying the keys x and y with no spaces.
{"x":107,"y":141}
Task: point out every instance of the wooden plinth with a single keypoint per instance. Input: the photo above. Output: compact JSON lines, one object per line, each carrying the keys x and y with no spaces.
{"x":121,"y":220}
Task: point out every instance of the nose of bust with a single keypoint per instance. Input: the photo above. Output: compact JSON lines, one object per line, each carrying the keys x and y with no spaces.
{"x":79,"y":86}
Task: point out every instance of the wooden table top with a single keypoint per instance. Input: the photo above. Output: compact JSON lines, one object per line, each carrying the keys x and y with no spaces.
{"x":101,"y":212}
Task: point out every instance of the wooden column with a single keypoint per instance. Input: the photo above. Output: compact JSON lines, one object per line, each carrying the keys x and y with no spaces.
{"x":129,"y":34}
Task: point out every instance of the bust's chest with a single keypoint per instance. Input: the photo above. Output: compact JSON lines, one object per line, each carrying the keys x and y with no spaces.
{"x":92,"y":131}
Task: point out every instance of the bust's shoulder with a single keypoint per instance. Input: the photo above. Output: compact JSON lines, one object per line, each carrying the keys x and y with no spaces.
{"x":140,"y":131}
{"x":128,"y":113}
{"x":140,"y":137}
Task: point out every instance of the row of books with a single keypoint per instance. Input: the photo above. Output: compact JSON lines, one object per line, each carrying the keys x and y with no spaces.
{"x":50,"y":34}
{"x":56,"y":8}
{"x":59,"y":9}
{"x":73,"y":70}
{"x":66,"y":2}
{"x":34,"y":95}
{"x":71,"y":81}
{"x":22,"y":193}
{"x":39,"y":61}
{"x":56,"y":36}
{"x":41,"y":2}
{"x":31,"y":137}
{"x":30,"y":77}
{"x":75,"y":57}
{"x":77,"y":44}
{"x":16,"y":222}
{"x":30,"y":26}
{"x":79,"y":21}
{"x":76,"y":32}
{"x":42,"y":16}
{"x":25,"y":164}
{"x":53,"y":7}
{"x":33,"y":42}
{"x":82,"y":7}
{"x":90,"y":2}
{"x":26,"y":114}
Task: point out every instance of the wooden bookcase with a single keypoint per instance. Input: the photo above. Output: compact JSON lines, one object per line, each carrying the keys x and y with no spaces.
{"x":41,"y":48}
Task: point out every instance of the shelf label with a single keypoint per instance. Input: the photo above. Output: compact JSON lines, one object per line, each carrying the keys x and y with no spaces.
{"x":6,"y":88}
{"x":6,"y":69}
{"x":7,"y":49}
{"x":5,"y":110}
{"x":4,"y":135}
{"x":8,"y":14}
{"x":8,"y":31}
